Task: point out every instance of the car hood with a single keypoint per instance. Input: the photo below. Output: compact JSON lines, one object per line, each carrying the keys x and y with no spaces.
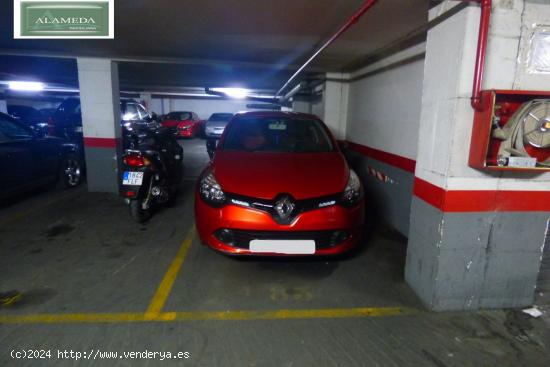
{"x":216,"y":123}
{"x":265,"y":175}
{"x":186,"y":123}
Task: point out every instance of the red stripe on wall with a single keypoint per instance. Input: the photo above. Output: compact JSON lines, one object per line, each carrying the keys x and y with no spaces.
{"x":100,"y":142}
{"x":481,"y":200}
{"x":389,"y":158}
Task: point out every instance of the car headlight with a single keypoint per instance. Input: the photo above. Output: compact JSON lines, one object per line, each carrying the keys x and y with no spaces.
{"x":185,"y":127}
{"x":210,"y":190}
{"x":353,"y":191}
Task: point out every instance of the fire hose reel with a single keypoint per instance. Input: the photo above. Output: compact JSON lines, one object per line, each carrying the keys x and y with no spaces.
{"x":512,"y":131}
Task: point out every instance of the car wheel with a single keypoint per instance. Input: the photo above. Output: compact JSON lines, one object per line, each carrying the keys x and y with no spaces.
{"x":71,"y":170}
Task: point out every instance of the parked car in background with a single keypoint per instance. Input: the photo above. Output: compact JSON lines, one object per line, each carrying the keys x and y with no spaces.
{"x":215,"y":124}
{"x":279,"y":185}
{"x":182,"y":123}
{"x":213,"y":129}
{"x":67,"y":120}
{"x":29,"y":160}
{"x":47,"y":112}
{"x":30,"y":117}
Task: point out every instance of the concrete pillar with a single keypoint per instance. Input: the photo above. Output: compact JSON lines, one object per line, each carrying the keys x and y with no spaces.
{"x":3,"y":103}
{"x":100,"y":105}
{"x":147,"y":100}
{"x":166,"y":106}
{"x":302,"y":106}
{"x":465,"y":251}
{"x":335,"y":98}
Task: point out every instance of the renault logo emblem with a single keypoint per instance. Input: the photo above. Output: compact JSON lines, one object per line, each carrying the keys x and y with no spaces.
{"x":284,"y":207}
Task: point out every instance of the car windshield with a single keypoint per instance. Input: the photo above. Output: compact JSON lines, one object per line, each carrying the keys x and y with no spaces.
{"x":220,"y":117}
{"x":276,"y":134}
{"x":179,"y":116}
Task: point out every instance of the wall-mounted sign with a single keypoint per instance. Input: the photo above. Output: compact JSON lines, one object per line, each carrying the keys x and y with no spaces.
{"x":63,"y":19}
{"x":539,"y":51}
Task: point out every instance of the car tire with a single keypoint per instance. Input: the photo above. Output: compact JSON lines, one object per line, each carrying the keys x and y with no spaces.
{"x":137,"y":212}
{"x":71,"y":170}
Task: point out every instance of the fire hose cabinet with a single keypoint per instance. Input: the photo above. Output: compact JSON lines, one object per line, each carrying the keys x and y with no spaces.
{"x":511,"y":131}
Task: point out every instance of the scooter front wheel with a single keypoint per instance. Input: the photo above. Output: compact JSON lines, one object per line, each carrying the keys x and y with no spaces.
{"x":137,"y":211}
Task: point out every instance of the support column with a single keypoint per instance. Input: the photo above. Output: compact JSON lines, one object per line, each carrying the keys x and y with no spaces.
{"x":166,"y":106}
{"x":3,"y":103}
{"x":303,"y":106}
{"x":147,"y":100}
{"x":335,"y":98}
{"x":476,"y":237}
{"x":100,"y":105}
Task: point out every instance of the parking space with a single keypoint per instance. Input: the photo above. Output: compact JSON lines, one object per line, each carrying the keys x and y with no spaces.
{"x":91,"y":279}
{"x":275,"y":183}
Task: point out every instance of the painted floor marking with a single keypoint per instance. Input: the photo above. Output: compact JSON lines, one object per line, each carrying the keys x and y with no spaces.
{"x":165,"y":287}
{"x":284,"y":314}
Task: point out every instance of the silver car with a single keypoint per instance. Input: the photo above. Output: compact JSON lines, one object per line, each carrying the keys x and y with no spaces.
{"x":216,"y":124}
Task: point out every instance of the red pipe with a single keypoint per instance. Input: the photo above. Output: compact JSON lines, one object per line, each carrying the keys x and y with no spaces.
{"x":481,"y":52}
{"x":351,"y":21}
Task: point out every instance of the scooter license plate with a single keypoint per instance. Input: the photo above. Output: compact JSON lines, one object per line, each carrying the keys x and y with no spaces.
{"x":132,"y":178}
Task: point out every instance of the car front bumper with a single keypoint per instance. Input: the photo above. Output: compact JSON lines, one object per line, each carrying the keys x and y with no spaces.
{"x":242,"y":224}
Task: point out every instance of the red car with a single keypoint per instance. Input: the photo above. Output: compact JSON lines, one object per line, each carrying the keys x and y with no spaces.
{"x":182,"y":123}
{"x":278,"y":185}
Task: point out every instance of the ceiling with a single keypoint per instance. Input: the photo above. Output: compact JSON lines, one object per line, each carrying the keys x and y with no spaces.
{"x":254,"y":43}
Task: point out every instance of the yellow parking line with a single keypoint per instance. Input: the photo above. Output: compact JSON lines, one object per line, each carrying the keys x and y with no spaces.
{"x":284,"y":314}
{"x":165,"y":287}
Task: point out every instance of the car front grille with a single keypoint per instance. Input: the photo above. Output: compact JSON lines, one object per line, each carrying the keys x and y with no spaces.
{"x":241,"y":238}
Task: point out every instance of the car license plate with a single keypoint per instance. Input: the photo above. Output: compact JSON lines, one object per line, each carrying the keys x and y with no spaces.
{"x":132,"y":178}
{"x":289,"y":247}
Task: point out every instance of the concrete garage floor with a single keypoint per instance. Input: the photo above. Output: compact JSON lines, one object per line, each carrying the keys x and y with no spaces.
{"x":92,"y":280}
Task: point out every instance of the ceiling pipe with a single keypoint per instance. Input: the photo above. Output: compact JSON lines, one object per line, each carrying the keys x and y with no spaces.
{"x":247,"y":98}
{"x":351,"y":21}
{"x":481,"y":52}
{"x":292,"y":92}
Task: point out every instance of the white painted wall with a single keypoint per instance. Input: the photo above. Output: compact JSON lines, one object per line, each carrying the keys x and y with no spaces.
{"x":384,"y":109}
{"x":203,"y":107}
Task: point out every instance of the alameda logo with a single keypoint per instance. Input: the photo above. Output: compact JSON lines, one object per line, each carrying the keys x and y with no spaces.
{"x":46,"y":20}
{"x":64,"y":19}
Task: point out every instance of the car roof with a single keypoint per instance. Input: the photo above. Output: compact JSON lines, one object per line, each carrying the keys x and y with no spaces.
{"x":287,"y":114}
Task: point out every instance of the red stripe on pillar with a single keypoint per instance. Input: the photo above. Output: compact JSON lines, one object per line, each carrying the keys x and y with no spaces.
{"x":432,"y":194}
{"x":100,"y":142}
{"x":481,"y":200}
{"x":389,"y":158}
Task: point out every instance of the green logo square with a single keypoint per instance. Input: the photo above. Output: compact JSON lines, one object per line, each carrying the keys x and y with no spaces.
{"x":64,"y":18}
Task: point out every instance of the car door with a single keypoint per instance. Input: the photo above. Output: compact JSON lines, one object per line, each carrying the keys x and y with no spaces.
{"x":46,"y":152}
{"x":16,"y":158}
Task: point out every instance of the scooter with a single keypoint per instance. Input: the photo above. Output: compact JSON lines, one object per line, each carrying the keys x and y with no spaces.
{"x":152,"y":169}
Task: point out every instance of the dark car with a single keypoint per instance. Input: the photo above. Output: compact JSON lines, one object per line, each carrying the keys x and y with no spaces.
{"x":67,"y":120}
{"x":47,"y":112}
{"x":29,"y":160}
{"x":29,"y":116}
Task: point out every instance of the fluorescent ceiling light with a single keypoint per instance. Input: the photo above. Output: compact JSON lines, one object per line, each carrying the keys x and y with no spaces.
{"x":26,"y":86}
{"x":239,"y":93}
